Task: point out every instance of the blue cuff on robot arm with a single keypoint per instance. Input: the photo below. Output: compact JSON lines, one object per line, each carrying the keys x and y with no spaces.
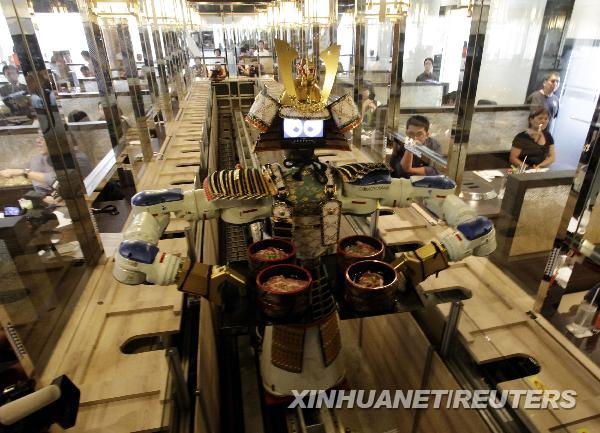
{"x":150,"y":198}
{"x":476,"y":227}
{"x":138,"y":251}
{"x":436,"y":182}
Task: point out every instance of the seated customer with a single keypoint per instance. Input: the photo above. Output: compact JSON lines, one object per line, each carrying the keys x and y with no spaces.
{"x":14,"y":93}
{"x":405,"y":164}
{"x":535,"y":145}
{"x":247,"y":65}
{"x":40,"y":171}
{"x":368,"y":105}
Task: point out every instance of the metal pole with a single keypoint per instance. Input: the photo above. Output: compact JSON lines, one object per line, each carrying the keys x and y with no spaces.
{"x":180,"y":386}
{"x":465,"y":107}
{"x":393,"y":113}
{"x":424,"y":384}
{"x":189,"y":237}
{"x":374,"y":222}
{"x":450,"y":329}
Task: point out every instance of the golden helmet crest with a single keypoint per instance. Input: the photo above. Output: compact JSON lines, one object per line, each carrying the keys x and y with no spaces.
{"x":303,"y":92}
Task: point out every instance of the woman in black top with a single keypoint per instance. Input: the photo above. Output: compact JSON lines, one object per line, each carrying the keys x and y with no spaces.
{"x":535,"y":145}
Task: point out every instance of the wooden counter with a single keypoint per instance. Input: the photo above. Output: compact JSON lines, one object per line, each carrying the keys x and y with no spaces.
{"x":127,"y":392}
{"x":495,"y":324}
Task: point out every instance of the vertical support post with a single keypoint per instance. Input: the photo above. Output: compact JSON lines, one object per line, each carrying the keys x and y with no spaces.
{"x":191,"y":243}
{"x":101,"y":67}
{"x":148,"y":68}
{"x":457,"y":153}
{"x":398,"y":36}
{"x":135,"y":89}
{"x":374,"y":223}
{"x":315,"y":44}
{"x":163,"y":84}
{"x":180,"y":385}
{"x":424,"y":385}
{"x":450,"y":328}
{"x":359,"y":63}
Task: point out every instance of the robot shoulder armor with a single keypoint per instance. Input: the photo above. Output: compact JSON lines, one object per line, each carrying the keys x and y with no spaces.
{"x":365,"y":173}
{"x":240,"y":183}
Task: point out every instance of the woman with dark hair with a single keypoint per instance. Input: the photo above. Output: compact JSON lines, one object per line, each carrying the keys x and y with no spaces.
{"x":535,"y":145}
{"x":368,"y":105}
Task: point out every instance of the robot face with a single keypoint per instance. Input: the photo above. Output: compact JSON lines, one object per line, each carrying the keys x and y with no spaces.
{"x":298,"y":128}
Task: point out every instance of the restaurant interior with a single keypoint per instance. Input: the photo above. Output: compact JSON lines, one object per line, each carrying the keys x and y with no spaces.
{"x":101,"y":100}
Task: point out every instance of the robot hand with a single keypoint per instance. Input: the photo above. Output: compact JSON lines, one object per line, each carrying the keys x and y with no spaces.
{"x":473,"y":237}
{"x":36,"y":412}
{"x":139,"y":261}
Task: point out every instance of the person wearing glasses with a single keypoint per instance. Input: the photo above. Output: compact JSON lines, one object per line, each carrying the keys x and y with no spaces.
{"x":405,"y":164}
{"x":546,"y":96}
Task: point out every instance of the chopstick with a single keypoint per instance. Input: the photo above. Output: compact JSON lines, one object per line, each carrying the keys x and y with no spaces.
{"x":522,"y":168}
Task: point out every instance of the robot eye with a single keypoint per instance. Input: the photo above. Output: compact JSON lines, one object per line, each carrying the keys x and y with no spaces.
{"x":313,"y":128}
{"x":292,"y":128}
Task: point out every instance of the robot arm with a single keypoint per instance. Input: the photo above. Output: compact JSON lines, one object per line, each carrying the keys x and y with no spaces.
{"x":139,"y":259}
{"x":471,"y":234}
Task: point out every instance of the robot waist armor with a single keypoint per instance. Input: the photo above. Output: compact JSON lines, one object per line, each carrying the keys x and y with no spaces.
{"x":305,"y":232}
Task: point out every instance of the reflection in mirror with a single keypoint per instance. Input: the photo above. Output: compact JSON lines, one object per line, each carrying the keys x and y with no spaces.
{"x":435,"y":50}
{"x":46,"y":234}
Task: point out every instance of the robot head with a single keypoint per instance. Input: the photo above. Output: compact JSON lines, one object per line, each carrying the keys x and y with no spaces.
{"x":304,"y":117}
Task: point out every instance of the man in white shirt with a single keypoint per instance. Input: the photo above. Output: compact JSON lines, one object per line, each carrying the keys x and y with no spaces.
{"x":262,"y":51}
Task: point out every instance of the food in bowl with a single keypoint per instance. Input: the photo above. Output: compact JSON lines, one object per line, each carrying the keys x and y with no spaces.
{"x":370,"y":280}
{"x":270,"y":253}
{"x":281,"y":284}
{"x":360,"y":249}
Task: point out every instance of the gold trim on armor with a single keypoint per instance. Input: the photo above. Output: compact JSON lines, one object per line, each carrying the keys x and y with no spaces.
{"x":287,"y":350}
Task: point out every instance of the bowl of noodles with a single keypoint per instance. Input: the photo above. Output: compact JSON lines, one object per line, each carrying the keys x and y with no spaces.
{"x":269,"y":252}
{"x":355,"y":248}
{"x":371,"y":285}
{"x":283,"y":290}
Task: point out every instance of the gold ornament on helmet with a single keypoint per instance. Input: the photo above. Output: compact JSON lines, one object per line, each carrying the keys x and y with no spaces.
{"x":303,"y":93}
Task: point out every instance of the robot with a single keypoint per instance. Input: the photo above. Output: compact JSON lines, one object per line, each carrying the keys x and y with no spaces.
{"x":304,"y":199}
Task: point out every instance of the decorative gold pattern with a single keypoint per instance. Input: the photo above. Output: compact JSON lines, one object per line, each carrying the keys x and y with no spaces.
{"x":262,"y":112}
{"x":353,"y":172}
{"x":331,"y":213}
{"x":345,"y":113}
{"x":303,"y":93}
{"x":331,"y":342}
{"x":243,"y":183}
{"x":288,"y":347}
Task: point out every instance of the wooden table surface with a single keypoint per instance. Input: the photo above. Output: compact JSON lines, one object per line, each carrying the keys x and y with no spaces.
{"x":122,"y":393}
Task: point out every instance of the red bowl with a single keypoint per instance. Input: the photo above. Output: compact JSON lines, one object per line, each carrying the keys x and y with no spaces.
{"x":283,"y":305}
{"x":346,"y":259}
{"x":371,"y":299}
{"x":258,"y":263}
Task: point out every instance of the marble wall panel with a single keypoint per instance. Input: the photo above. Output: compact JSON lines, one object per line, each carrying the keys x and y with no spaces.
{"x":494,"y":131}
